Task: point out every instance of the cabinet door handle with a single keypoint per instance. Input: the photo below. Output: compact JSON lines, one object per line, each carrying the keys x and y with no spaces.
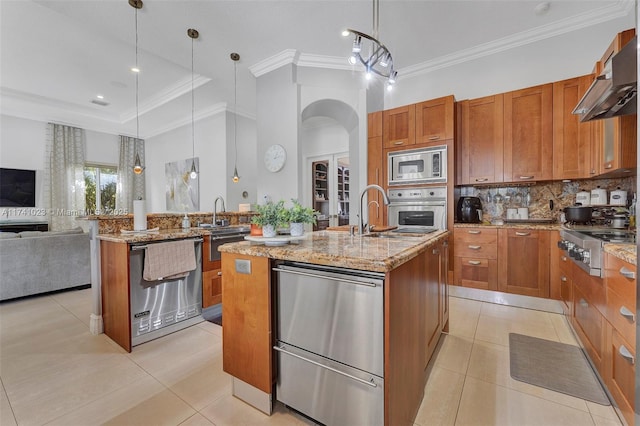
{"x":583,"y":303}
{"x":626,"y":354}
{"x":563,"y":279}
{"x":475,"y":247}
{"x":564,"y":258}
{"x":398,"y":142}
{"x":434,"y":138}
{"x":526,"y":177}
{"x":593,"y":172}
{"x":220,"y":273}
{"x":474,"y":262}
{"x":436,"y":251}
{"x":482,"y":179}
{"x":523,"y":234}
{"x":608,"y":166}
{"x":627,"y":314}
{"x":474,"y":232}
{"x":627,"y":273}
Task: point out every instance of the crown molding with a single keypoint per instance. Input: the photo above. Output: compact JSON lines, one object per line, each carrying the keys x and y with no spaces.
{"x":165,"y":96}
{"x":577,"y":22}
{"x":274,"y":62}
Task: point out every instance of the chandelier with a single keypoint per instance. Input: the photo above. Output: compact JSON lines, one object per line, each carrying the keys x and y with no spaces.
{"x":371,"y":53}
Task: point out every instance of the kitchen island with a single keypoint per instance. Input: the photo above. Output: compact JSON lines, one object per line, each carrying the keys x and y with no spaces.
{"x":413,"y":312}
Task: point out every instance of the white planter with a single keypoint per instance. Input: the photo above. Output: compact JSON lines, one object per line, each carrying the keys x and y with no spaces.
{"x":296,"y":229}
{"x":268,"y":231}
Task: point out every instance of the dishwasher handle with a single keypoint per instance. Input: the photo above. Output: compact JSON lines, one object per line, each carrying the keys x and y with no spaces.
{"x":284,"y":351}
{"x":324,"y":277}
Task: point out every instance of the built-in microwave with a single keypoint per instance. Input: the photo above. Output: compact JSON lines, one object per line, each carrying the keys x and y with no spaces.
{"x":424,"y":165}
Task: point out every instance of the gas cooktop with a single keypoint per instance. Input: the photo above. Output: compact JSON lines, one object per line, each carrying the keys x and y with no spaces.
{"x":611,"y":236}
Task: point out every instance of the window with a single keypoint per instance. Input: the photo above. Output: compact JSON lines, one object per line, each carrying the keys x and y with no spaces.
{"x":100,"y":188}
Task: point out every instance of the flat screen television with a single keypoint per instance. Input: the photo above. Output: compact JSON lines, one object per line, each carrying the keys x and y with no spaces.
{"x":17,"y":188}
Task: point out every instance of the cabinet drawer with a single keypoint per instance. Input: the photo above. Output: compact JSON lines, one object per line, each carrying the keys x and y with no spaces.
{"x":622,"y":373}
{"x":476,"y":250}
{"x":621,"y":315}
{"x":589,"y":325}
{"x":476,"y":272}
{"x":620,"y":276}
{"x":475,"y":235}
{"x":592,"y":288}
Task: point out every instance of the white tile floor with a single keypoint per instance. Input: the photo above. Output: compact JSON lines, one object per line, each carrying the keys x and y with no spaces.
{"x":53,"y":371}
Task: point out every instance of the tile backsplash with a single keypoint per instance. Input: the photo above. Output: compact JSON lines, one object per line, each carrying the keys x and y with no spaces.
{"x":537,"y":197}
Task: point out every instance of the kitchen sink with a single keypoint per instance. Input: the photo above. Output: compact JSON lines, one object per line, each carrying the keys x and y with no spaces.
{"x":385,"y":235}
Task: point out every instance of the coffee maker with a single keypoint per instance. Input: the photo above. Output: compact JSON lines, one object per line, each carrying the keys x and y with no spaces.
{"x":469,"y":210}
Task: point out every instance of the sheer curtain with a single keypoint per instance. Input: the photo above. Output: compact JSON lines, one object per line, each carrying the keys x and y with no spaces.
{"x":64,"y":176}
{"x":130,"y":185}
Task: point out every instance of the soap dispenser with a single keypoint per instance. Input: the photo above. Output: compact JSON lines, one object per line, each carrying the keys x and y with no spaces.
{"x":186,"y":224}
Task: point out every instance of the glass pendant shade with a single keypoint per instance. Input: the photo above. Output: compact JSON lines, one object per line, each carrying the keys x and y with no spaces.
{"x":137,"y":166}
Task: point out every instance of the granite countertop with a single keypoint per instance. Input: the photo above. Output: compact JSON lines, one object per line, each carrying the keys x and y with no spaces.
{"x":161,"y":235}
{"x":533,"y":225}
{"x":343,"y":250}
{"x":624,"y":251}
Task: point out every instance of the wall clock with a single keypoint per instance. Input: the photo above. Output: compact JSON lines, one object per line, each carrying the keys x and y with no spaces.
{"x":274,"y":158}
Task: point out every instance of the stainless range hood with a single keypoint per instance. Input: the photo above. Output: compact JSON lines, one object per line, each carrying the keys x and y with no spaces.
{"x":613,"y":93}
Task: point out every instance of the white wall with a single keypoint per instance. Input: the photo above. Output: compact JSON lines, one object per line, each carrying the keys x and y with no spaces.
{"x":210,"y":148}
{"x":22,"y":146}
{"x":553,"y":59}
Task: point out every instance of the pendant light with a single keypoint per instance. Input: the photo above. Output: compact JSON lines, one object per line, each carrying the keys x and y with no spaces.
{"x":235,"y":58}
{"x":137,"y":165}
{"x":193,"y":34}
{"x":375,"y":56}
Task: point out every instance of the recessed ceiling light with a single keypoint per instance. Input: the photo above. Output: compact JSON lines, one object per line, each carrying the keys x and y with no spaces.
{"x":134,"y":69}
{"x":345,"y":33}
{"x":99,"y":96}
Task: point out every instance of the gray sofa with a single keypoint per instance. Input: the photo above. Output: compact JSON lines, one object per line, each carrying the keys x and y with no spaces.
{"x":33,"y":262}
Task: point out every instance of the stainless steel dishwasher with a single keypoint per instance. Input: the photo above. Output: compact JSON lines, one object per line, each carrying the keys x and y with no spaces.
{"x":163,"y":307}
{"x":330,"y":343}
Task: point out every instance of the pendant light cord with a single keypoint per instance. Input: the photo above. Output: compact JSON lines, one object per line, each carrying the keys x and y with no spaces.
{"x":376,"y":17}
{"x":137,"y":89}
{"x":193,"y":137}
{"x":235,"y":110}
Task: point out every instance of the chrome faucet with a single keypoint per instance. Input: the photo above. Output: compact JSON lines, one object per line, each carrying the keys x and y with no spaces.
{"x":362,"y":229}
{"x":215,"y":203}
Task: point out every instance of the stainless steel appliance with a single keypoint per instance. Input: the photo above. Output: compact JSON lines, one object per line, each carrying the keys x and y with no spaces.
{"x":330,"y":343}
{"x":418,"y":208}
{"x":163,"y":307}
{"x":613,"y":92}
{"x":584,"y":245}
{"x":220,"y":236}
{"x":424,"y":165}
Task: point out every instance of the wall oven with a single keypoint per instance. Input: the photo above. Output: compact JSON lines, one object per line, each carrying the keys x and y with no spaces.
{"x":418,"y":209}
{"x":424,"y":165}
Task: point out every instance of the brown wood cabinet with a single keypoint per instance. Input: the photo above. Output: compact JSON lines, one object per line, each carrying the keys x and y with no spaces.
{"x":618,"y":142}
{"x":246,"y":309}
{"x":620,"y":280}
{"x":475,"y":258}
{"x":528,"y":134}
{"x":482,"y":140}
{"x":114,"y":269}
{"x":572,"y":139}
{"x":211,"y":277}
{"x":523,"y":261}
{"x":434,"y":120}
{"x":589,"y":302}
{"x":375,"y":169}
{"x":560,"y":275}
{"x":398,"y":127}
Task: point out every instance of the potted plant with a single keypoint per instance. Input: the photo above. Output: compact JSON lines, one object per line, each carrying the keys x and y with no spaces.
{"x":298,"y":216}
{"x":270,"y":216}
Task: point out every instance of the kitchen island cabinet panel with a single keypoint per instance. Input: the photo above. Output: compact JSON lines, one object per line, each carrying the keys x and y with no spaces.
{"x":246,"y":309}
{"x":621,"y":372}
{"x":211,"y":287}
{"x":523,"y":262}
{"x":528,"y":134}
{"x":114,"y":266}
{"x":482,"y":140}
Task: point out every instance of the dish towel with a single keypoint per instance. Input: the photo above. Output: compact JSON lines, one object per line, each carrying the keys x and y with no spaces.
{"x":169,"y":260}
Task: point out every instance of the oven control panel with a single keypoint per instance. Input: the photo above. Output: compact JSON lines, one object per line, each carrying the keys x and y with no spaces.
{"x":417,"y":194}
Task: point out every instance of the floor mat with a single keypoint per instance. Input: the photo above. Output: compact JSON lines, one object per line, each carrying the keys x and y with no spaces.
{"x":556,"y":366}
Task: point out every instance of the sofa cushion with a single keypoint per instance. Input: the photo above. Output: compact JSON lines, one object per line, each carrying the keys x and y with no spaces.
{"x":76,"y":230}
{"x":28,"y":234}
{"x":8,"y":235}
